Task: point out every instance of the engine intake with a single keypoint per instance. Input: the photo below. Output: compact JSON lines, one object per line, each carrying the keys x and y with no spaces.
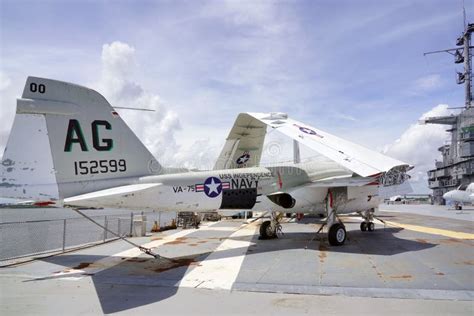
{"x":282,"y":199}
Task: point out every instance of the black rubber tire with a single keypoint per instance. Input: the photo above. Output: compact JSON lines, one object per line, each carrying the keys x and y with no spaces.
{"x":337,"y":235}
{"x":288,"y":215}
{"x":363,"y":226}
{"x":265,"y":231}
{"x":371,"y":227}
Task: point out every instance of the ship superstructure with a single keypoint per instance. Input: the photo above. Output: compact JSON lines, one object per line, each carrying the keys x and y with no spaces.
{"x":457,"y":165}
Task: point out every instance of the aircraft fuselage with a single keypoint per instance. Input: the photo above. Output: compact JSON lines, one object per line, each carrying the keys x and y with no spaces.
{"x":245,"y":188}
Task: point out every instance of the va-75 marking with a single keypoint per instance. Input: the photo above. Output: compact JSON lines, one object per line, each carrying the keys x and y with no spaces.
{"x":233,"y":185}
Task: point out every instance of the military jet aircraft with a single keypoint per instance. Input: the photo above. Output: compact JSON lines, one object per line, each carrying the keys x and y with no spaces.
{"x":463,"y":194}
{"x":68,"y":146}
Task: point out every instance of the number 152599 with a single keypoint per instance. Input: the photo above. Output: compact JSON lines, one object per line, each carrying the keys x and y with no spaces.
{"x":84,"y":167}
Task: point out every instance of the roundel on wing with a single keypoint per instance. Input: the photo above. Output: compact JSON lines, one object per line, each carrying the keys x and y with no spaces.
{"x":307,"y":130}
{"x":243,"y":159}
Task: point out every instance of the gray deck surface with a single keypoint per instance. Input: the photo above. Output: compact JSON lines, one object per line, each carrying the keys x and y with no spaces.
{"x":222,"y":268}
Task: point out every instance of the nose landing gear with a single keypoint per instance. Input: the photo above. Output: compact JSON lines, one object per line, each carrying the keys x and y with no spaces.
{"x":367,"y":224}
{"x":270,"y":229}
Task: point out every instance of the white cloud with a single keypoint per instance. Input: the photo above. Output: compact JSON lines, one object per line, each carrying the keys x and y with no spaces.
{"x":259,"y":14}
{"x":419,"y":144}
{"x":428,"y":83}
{"x":346,"y":117}
{"x":199,"y":155}
{"x":406,"y":28}
{"x":4,"y":81}
{"x":156,"y":129}
{"x":118,"y":64}
{"x":10,"y":89}
{"x":118,"y":58}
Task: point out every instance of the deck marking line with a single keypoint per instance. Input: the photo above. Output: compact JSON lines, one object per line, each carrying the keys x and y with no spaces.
{"x":424,"y":229}
{"x":392,"y":293}
{"x":220,"y":270}
{"x":433,"y":231}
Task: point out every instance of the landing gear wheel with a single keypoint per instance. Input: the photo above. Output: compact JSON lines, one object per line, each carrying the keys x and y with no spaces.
{"x":370,"y":227}
{"x":337,"y":235}
{"x":363,"y":226}
{"x":266,"y":231}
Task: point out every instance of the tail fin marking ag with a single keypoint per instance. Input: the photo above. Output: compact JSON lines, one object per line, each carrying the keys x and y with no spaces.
{"x":90,"y":145}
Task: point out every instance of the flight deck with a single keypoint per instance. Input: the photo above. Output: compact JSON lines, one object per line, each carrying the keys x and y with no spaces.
{"x":420,"y":259}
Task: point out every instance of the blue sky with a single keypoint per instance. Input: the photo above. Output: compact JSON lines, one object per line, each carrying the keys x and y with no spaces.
{"x":353,"y":68}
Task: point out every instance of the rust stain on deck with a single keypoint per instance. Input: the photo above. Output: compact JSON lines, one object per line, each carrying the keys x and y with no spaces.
{"x":176,"y":263}
{"x":82,"y":265}
{"x":177,"y":241}
{"x":467,"y":262}
{"x":450,"y":241}
{"x":420,"y":240}
{"x":322,"y":252}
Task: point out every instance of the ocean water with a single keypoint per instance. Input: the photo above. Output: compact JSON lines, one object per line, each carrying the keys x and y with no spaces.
{"x":27,"y":231}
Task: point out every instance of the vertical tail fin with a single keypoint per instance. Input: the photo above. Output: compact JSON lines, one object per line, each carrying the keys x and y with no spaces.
{"x":68,"y":140}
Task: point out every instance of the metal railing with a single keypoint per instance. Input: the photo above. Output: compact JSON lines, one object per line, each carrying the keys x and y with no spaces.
{"x":32,"y":238}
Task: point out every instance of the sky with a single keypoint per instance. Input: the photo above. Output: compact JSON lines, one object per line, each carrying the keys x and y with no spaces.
{"x":352,"y":68}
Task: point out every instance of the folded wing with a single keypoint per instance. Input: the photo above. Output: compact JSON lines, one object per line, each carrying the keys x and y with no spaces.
{"x":363,"y":161}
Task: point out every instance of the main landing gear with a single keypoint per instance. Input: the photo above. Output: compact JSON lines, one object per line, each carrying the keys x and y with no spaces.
{"x":270,"y":229}
{"x":368,"y":223}
{"x":337,"y":231}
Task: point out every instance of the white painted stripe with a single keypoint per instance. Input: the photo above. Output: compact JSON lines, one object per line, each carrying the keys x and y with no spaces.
{"x":423,"y":229}
{"x":221,"y":229}
{"x":117,"y":258}
{"x":219,"y":271}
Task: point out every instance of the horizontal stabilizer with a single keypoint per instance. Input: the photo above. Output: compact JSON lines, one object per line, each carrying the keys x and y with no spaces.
{"x":110,"y":197}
